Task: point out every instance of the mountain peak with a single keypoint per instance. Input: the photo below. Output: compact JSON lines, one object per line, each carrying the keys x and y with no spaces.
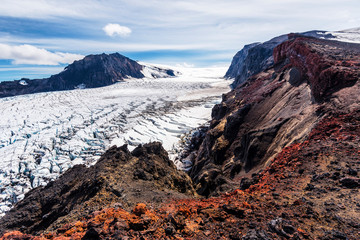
{"x":95,"y":70}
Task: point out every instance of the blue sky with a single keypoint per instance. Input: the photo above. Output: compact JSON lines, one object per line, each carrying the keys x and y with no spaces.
{"x":39,"y":37}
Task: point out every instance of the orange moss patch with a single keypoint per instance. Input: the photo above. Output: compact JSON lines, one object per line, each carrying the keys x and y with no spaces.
{"x":16,"y":235}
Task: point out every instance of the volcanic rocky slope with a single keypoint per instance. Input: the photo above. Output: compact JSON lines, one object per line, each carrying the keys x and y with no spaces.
{"x":119,"y":179}
{"x":257,"y":57}
{"x":91,"y":72}
{"x":284,"y":146}
{"x":276,"y":108}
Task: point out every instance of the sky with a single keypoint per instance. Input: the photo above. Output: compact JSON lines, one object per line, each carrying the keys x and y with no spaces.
{"x":40,"y":37}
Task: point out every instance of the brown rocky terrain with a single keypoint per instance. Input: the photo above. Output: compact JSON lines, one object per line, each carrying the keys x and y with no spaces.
{"x":119,"y":179}
{"x":280,"y":160}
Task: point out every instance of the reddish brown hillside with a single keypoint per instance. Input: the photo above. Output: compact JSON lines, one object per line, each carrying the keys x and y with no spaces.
{"x":312,"y":79}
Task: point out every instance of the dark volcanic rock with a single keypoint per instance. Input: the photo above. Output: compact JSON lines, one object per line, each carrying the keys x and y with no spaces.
{"x":256,"y":235}
{"x":82,"y":190}
{"x":350,"y":182}
{"x":252,"y":59}
{"x":97,"y":71}
{"x":90,"y":72}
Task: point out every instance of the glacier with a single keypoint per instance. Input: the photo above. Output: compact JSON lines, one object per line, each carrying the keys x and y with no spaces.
{"x":44,"y":134}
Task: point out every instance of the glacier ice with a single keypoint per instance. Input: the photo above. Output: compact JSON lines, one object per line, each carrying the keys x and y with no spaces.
{"x":42,"y":135}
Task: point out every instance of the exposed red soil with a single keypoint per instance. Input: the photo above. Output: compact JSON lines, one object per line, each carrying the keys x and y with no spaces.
{"x":326,"y":71}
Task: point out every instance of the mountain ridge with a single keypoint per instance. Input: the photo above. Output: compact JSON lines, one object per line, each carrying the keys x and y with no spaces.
{"x":95,"y":70}
{"x":256,"y":57}
{"x":275,"y":108}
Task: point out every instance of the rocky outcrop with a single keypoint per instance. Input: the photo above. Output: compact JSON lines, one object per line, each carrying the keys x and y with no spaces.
{"x":274,"y":109}
{"x":119,"y":178}
{"x":252,"y":59}
{"x":91,"y":72}
{"x":326,"y":68}
{"x":257,"y":57}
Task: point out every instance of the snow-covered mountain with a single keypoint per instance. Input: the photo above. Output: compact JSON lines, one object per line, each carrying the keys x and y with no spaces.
{"x":44,"y":134}
{"x":349,"y":35}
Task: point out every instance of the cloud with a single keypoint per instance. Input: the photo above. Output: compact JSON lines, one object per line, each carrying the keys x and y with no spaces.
{"x":28,"y":54}
{"x":41,"y":9}
{"x":112,"y":29}
{"x":185,"y":65}
{"x":198,"y":26}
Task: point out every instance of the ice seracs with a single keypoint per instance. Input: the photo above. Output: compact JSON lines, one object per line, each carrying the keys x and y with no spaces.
{"x":44,"y":134}
{"x":349,"y":35}
{"x":158,"y":71}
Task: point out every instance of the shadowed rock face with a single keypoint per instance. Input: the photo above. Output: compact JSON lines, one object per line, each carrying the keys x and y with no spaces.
{"x":252,"y":59}
{"x":276,"y":108}
{"x":119,"y":177}
{"x":90,"y":72}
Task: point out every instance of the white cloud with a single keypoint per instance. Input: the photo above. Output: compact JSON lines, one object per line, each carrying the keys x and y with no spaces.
{"x":41,"y":9}
{"x":203,"y":25}
{"x":185,"y":65}
{"x":28,"y":54}
{"x":113,"y":29}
